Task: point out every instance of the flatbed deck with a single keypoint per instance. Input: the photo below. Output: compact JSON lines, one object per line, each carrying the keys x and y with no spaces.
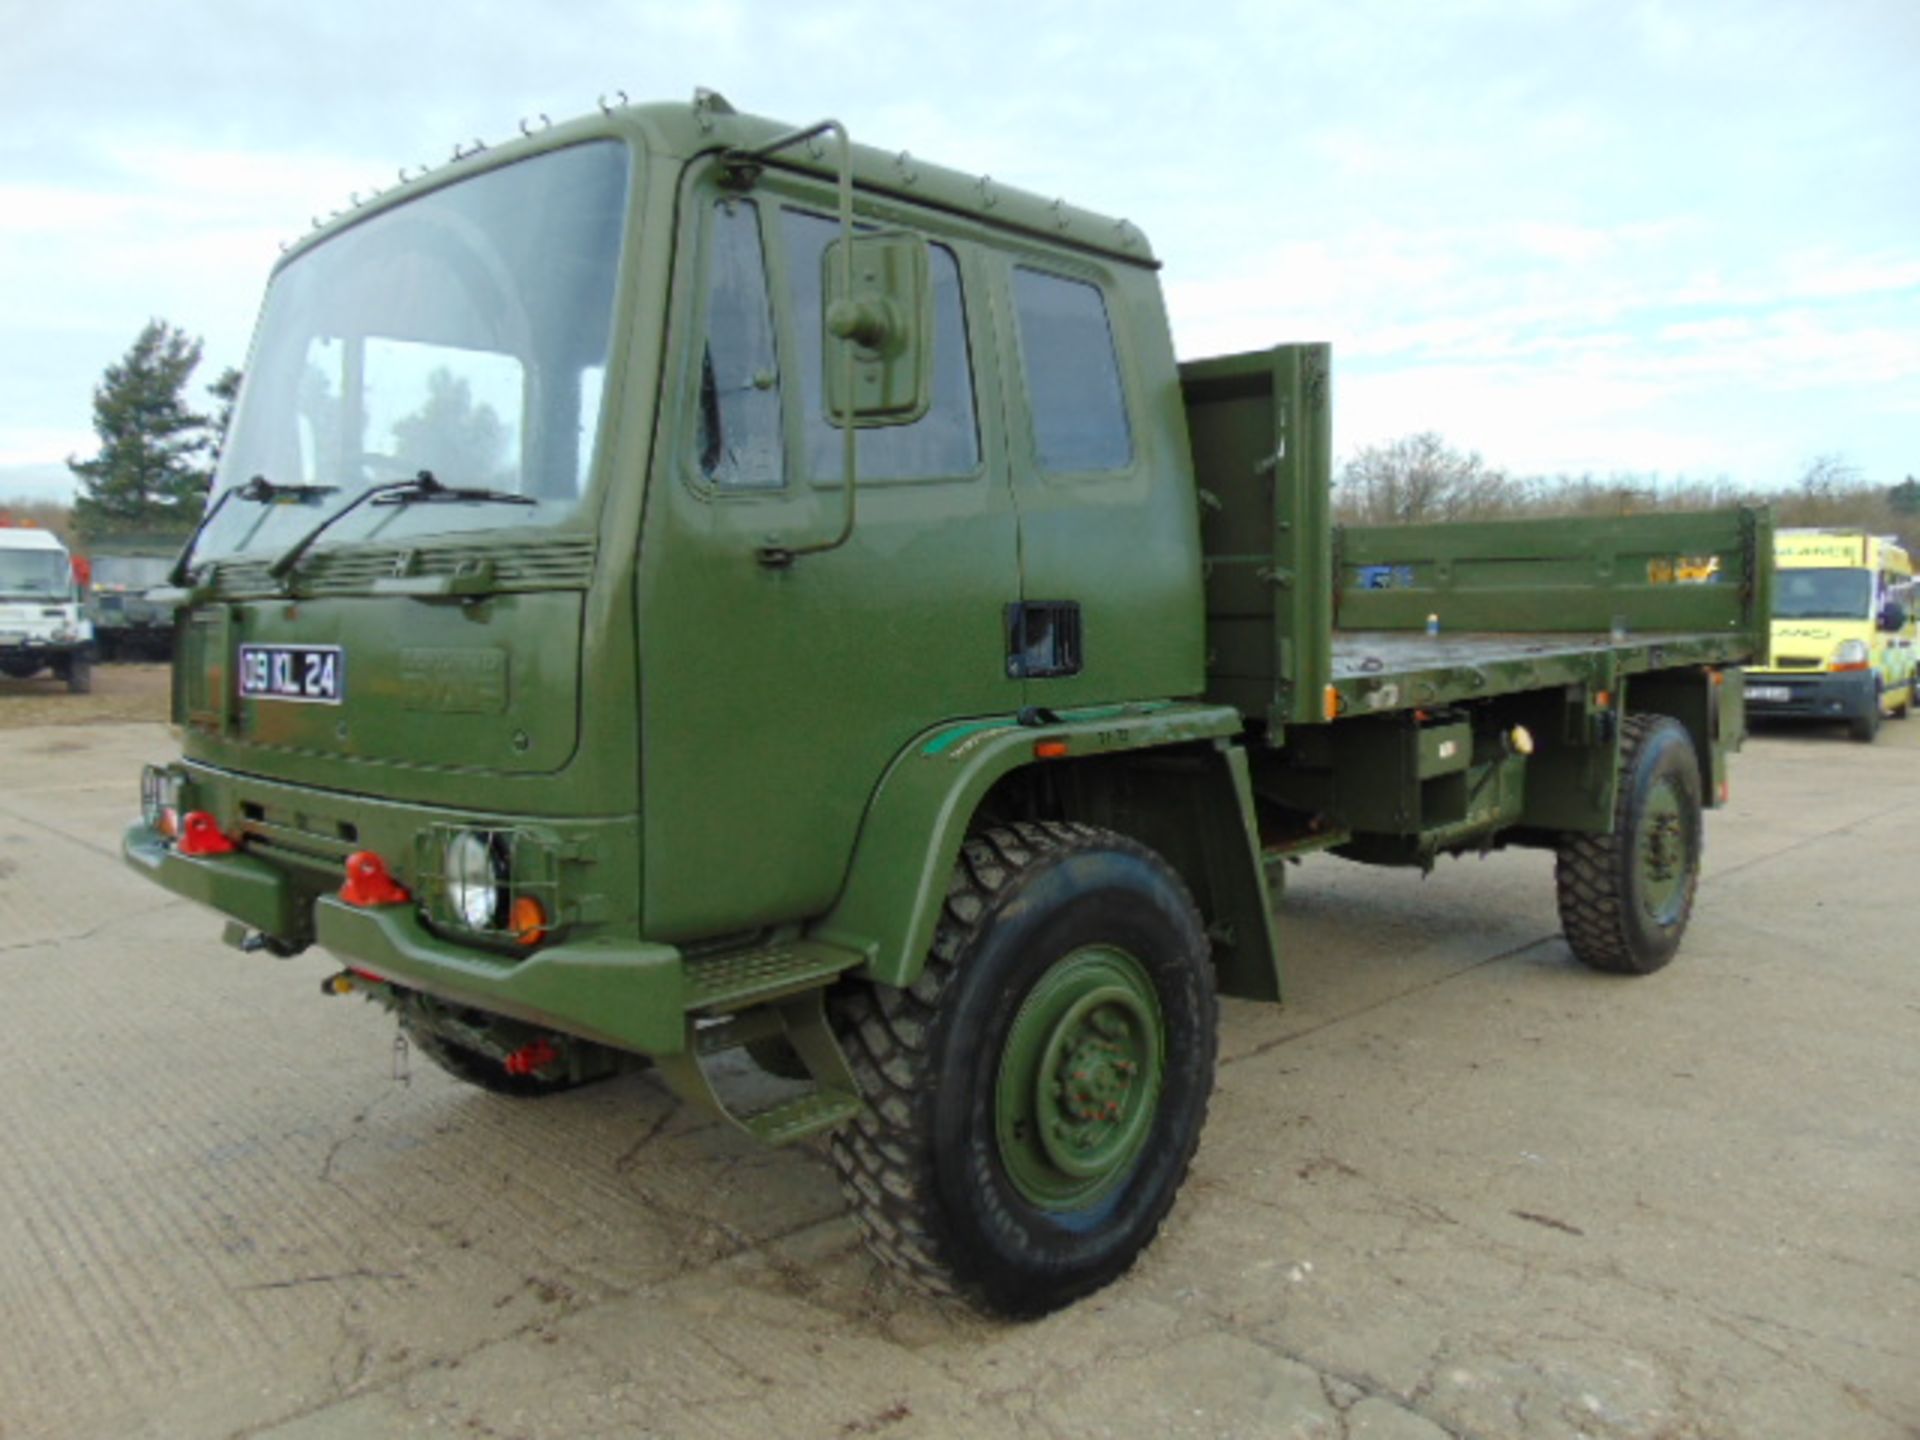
{"x":1379,"y":670}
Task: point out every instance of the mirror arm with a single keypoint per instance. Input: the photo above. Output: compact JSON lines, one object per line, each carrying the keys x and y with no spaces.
{"x":743,"y":166}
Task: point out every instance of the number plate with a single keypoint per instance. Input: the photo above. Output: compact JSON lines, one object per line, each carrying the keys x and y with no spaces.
{"x":311,"y":674}
{"x":1770,"y":694}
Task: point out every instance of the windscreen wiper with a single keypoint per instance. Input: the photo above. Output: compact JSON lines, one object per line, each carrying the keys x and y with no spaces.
{"x":423,"y":486}
{"x":259,"y":489}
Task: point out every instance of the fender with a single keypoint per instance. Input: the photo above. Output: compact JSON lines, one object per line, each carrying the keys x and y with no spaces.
{"x":911,"y":836}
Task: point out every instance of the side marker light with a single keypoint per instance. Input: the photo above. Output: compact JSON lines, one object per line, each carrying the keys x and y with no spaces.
{"x":369,"y":883}
{"x":200,"y":835}
{"x":1049,"y":749}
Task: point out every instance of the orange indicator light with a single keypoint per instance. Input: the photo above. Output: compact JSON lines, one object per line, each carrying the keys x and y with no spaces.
{"x":529,"y":921}
{"x":1049,"y":749}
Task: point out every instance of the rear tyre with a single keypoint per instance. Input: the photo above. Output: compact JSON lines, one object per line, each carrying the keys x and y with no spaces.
{"x":1035,"y":1097}
{"x":1626,"y":896}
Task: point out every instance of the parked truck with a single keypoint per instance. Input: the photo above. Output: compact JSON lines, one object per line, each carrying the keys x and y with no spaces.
{"x":678,"y":588}
{"x":127,"y":623}
{"x":42,"y":624}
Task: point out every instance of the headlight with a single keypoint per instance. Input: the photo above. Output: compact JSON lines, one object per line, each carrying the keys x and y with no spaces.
{"x":160,"y":800}
{"x":477,"y":880}
{"x":1851,"y":655}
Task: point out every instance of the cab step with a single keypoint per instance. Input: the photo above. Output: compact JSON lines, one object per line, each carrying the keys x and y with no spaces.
{"x":736,"y":978}
{"x":832,"y":1097}
{"x":804,"y":1115}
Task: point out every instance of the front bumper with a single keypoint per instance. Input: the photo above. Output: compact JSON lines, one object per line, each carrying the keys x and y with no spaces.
{"x":1810,"y":695}
{"x":39,"y":647}
{"x":631,"y":994}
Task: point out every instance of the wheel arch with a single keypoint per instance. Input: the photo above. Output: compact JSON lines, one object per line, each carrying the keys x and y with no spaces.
{"x":1172,"y":777}
{"x":1709,"y":706}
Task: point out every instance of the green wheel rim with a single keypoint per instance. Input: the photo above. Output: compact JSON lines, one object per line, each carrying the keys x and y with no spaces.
{"x":1080,"y":1079}
{"x":1663,"y":851}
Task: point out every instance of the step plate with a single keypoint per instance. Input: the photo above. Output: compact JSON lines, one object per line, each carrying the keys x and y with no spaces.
{"x":723,"y":982}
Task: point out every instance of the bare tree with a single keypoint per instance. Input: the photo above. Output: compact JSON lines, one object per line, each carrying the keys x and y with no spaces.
{"x":1420,"y":477}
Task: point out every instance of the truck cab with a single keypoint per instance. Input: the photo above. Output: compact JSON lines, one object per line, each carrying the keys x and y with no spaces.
{"x":1843,"y":640}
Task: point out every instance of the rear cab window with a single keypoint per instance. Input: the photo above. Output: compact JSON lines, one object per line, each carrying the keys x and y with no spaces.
{"x":1074,"y":391}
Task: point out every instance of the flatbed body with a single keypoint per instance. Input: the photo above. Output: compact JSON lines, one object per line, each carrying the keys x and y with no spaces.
{"x":1381,"y":670}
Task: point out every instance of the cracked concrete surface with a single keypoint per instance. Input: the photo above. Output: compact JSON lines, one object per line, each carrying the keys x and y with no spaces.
{"x":1457,"y":1187}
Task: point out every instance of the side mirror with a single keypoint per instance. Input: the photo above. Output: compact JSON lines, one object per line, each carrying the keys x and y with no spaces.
{"x":887,"y":317}
{"x":1893,"y":616}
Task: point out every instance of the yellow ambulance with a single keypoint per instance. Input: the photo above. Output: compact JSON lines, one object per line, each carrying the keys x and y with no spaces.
{"x":1843,"y":631}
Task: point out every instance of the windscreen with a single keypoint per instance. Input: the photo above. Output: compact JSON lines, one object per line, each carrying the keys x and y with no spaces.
{"x":464,"y":333}
{"x":1822,"y":594}
{"x":33,"y":575}
{"x":130,"y":572}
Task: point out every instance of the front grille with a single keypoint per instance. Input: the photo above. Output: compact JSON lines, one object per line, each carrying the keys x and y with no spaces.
{"x":559,"y":563}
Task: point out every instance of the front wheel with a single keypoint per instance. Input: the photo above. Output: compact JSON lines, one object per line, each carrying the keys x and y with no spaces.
{"x":1865,"y":727}
{"x":1625,"y":896}
{"x":1034,"y":1099}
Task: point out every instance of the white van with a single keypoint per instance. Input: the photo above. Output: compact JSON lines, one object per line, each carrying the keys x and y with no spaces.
{"x":42,"y":626}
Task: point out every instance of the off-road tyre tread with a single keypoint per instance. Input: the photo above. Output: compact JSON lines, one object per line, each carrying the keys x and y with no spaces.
{"x":1587,"y":868}
{"x":887,"y":1179}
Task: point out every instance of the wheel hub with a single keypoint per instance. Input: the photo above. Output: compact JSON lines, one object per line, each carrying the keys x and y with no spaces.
{"x":1080,"y":1078}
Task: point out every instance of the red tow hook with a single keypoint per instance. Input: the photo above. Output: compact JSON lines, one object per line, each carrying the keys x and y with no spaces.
{"x":200,"y":835}
{"x":532,"y":1056}
{"x":369,"y":883}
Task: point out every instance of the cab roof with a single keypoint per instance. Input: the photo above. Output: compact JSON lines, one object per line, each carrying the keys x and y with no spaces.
{"x":709,"y":125}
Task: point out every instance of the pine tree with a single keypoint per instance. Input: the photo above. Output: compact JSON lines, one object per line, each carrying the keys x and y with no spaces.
{"x":226,"y":390}
{"x":149,"y":473}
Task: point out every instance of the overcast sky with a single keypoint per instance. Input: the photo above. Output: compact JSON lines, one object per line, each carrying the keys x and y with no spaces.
{"x":1573,"y":236}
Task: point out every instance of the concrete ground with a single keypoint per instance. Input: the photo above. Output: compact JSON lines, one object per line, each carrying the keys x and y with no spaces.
{"x":1458,"y":1186}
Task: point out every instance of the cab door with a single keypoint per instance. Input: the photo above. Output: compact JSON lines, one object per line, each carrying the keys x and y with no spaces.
{"x":774,"y":696}
{"x":1110,"y":600}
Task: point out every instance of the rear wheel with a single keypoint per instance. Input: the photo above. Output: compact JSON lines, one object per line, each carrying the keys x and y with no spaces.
{"x":1625,"y":896}
{"x":1035,"y":1097}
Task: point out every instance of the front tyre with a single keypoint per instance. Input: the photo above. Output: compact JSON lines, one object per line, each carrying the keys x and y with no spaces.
{"x":1035,"y":1097}
{"x":1865,"y":727}
{"x":1625,"y":896}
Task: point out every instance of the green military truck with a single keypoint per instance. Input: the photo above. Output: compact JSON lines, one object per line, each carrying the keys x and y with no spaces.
{"x":679,"y":589}
{"x":128,"y":624}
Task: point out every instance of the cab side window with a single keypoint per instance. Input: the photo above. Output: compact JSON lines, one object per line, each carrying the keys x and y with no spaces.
{"x":943,"y":442}
{"x":1073,"y":374}
{"x":740,"y":442}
